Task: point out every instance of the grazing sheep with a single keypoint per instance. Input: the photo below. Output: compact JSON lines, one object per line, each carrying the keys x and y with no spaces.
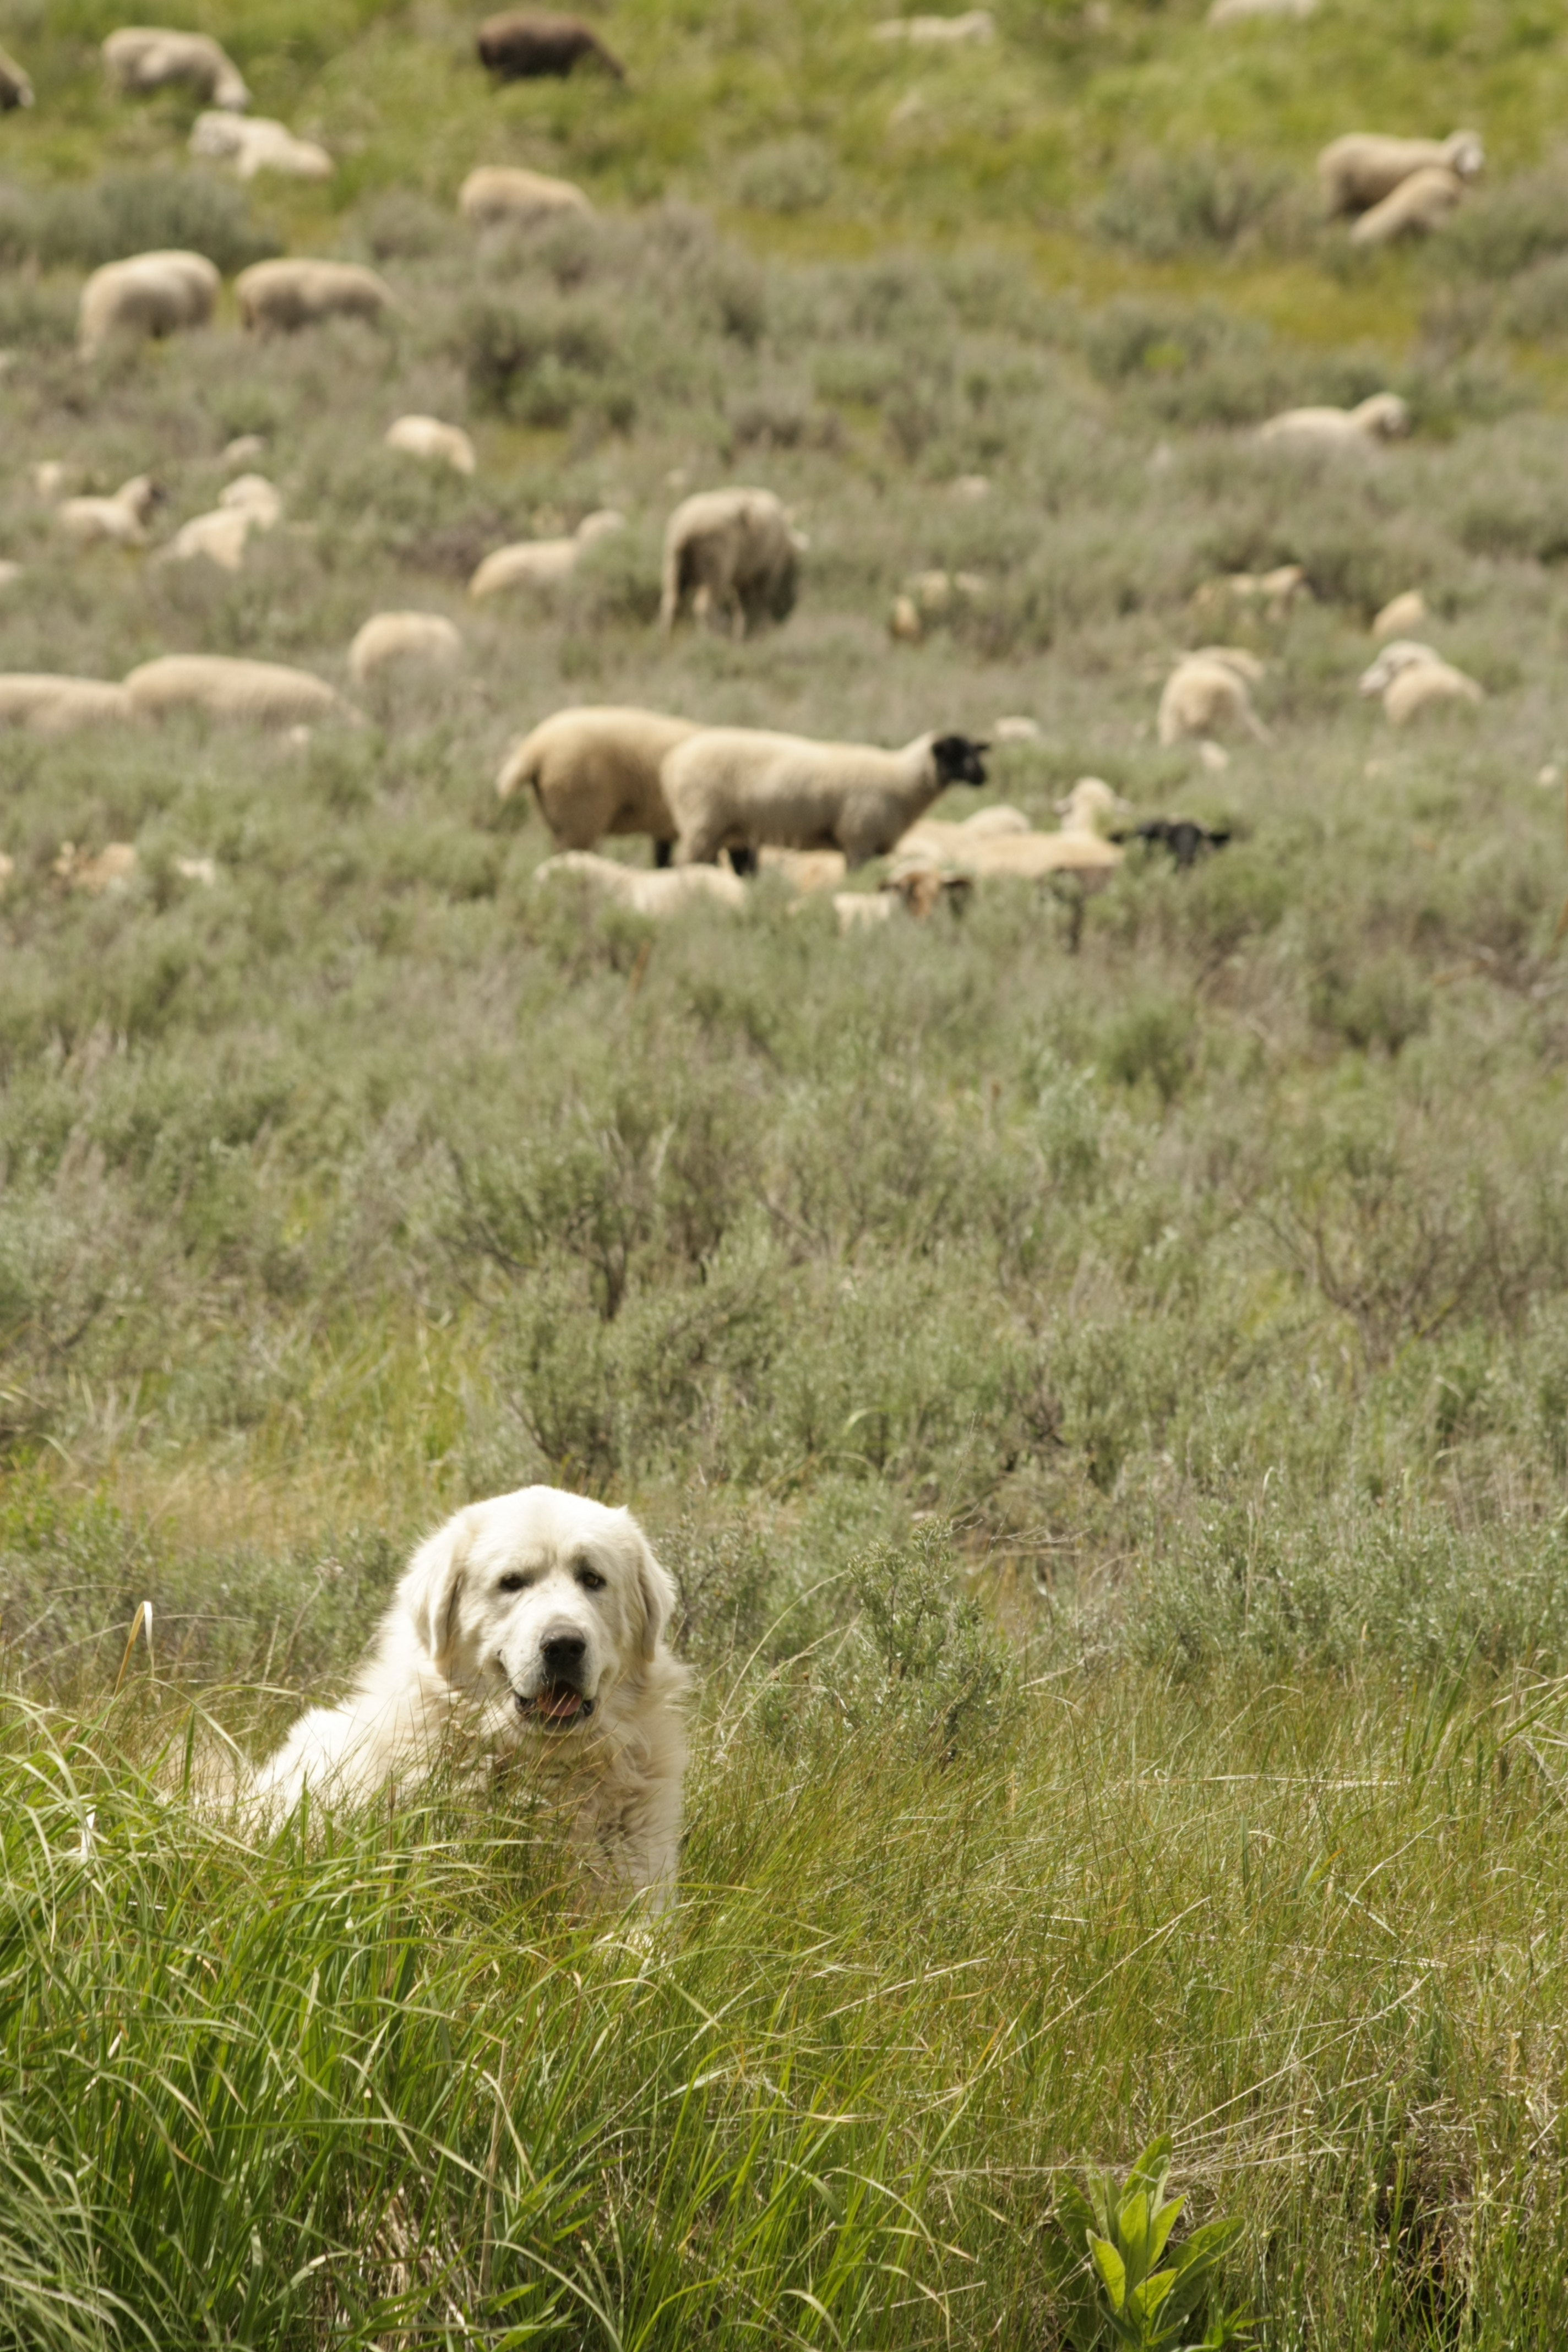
{"x":657,"y":894}
{"x":938,"y":32}
{"x":121,"y":519}
{"x":733,"y":555}
{"x":1237,"y":12}
{"x":1383,"y":417}
{"x":596,"y":771}
{"x":150,"y":294}
{"x":1364,"y":167}
{"x":249,"y":503}
{"x":260,"y":694}
{"x":1275,"y":591}
{"x":427,"y":437}
{"x":1399,"y":615}
{"x":1411,"y":677}
{"x":526,"y":45}
{"x":1414,"y":208}
{"x":139,"y":58}
{"x":112,"y":870}
{"x":280,"y":296}
{"x":497,"y":195}
{"x":15,"y":89}
{"x":1187,"y":840}
{"x":1208,"y":690}
{"x":541,"y":562}
{"x":254,"y":143}
{"x":731,"y":787}
{"x":48,"y":705}
{"x":406,"y":640}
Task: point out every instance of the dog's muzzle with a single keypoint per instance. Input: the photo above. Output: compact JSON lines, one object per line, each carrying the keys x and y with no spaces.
{"x":560,"y":1701}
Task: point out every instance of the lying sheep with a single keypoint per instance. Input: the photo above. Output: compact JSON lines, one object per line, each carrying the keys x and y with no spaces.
{"x":497,"y":195}
{"x":1399,"y":615}
{"x":48,"y":705}
{"x":1414,"y":208}
{"x":121,"y":519}
{"x":259,"y":694}
{"x":659,"y":894}
{"x":150,"y":294}
{"x":1383,"y":417}
{"x":1208,"y":691}
{"x":1364,"y":167}
{"x":247,"y":504}
{"x":541,"y":562}
{"x":1411,"y":677}
{"x":526,"y":45}
{"x":281,"y":297}
{"x":139,"y":58}
{"x":732,"y":555}
{"x":404,"y":641}
{"x":940,"y":837}
{"x":254,"y":143}
{"x":736,"y":787}
{"x":427,"y":437}
{"x":596,"y":771}
{"x":938,"y":32}
{"x":15,"y":89}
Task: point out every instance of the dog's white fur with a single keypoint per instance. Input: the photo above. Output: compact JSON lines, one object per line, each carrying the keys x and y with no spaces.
{"x":515,"y":1611}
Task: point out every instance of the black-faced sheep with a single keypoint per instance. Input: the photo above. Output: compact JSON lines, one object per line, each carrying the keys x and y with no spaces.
{"x":738,"y":788}
{"x":732,"y":556}
{"x":527,"y":44}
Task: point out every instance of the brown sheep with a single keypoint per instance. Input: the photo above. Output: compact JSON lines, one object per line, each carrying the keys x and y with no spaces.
{"x":526,"y":45}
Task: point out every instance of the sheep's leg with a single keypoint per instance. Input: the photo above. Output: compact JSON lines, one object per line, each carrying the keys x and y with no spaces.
{"x":743,"y":857}
{"x":662,"y":853}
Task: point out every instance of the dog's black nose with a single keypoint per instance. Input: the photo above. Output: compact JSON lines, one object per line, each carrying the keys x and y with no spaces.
{"x":563,"y":1650}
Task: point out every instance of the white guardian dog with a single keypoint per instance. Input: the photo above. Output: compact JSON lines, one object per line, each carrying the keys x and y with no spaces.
{"x":528,"y":1627}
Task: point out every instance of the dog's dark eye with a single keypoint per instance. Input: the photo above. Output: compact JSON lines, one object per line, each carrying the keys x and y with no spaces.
{"x":512,"y":1583}
{"x":590,"y":1579}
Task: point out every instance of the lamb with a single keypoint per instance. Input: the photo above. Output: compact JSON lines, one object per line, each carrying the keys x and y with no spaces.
{"x":738,"y":787}
{"x":149,"y":294}
{"x":1208,"y":690}
{"x":15,"y":89}
{"x":1364,"y":167}
{"x":1399,"y":615}
{"x":526,"y":45}
{"x":249,"y":503}
{"x":121,"y":519}
{"x":258,"y":144}
{"x":541,"y":562}
{"x":406,"y":640}
{"x":657,"y":894}
{"x":139,"y":58}
{"x":938,"y":32}
{"x":1383,"y":417}
{"x":497,"y":195}
{"x":262,"y":694}
{"x":1411,"y":677}
{"x":596,"y":771}
{"x":1414,"y":208}
{"x":48,"y":705}
{"x":734,"y":555}
{"x":427,"y":437}
{"x":280,"y":296}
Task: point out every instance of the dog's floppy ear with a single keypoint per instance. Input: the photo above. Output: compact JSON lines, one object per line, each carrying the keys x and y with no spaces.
{"x":433,"y":1580}
{"x":653,"y":1591}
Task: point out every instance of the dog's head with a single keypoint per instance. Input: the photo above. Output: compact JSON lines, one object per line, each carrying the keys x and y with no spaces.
{"x":541,"y":1596}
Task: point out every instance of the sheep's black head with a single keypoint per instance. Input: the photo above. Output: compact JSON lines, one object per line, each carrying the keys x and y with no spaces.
{"x":958,"y":760}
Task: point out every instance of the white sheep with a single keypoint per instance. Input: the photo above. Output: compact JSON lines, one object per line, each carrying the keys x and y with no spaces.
{"x":147,"y":295}
{"x":807,"y":871}
{"x":15,"y":89}
{"x":1077,"y":851}
{"x":139,"y":58}
{"x":656,"y":894}
{"x":1364,"y":167}
{"x":48,"y":705}
{"x":733,"y":554}
{"x":121,"y":519}
{"x":1237,"y":12}
{"x":1399,"y":615}
{"x":247,"y":504}
{"x":1017,"y":728}
{"x":1275,"y":592}
{"x":1383,"y":417}
{"x":280,"y":296}
{"x":427,"y":437}
{"x":736,"y":787}
{"x":940,"y":837}
{"x":254,"y":143}
{"x":541,"y":562}
{"x":1207,"y":690}
{"x":1411,"y":677}
{"x":504,"y":195}
{"x":1414,"y":208}
{"x":929,"y":595}
{"x":596,"y":771}
{"x":404,"y":641}
{"x":261,"y":694}
{"x":938,"y":32}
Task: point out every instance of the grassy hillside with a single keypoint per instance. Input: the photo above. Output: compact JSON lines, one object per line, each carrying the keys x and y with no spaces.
{"x":1105,"y":1400}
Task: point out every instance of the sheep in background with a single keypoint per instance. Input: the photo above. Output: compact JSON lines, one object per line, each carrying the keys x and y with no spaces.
{"x":1414,"y":208}
{"x":940,"y":836}
{"x":805,"y":871}
{"x":541,"y":562}
{"x":141,"y":58}
{"x":938,"y":32}
{"x":1383,"y":417}
{"x":150,"y":294}
{"x":1207,"y":690}
{"x":260,"y":694}
{"x":1364,"y":167}
{"x":1411,"y":677}
{"x":499,"y":195}
{"x":51,"y":476}
{"x":1017,"y":730}
{"x":1399,"y":615}
{"x":1237,"y":12}
{"x":596,"y":771}
{"x":404,"y":641}
{"x":928,"y":596}
{"x":15,"y":89}
{"x":656,"y":894}
{"x":254,"y":143}
{"x":249,"y":503}
{"x":527,"y":45}
{"x":281,"y":297}
{"x":118,"y":520}
{"x":1187,"y":840}
{"x":738,"y":787}
{"x":48,"y":705}
{"x":111,"y":871}
{"x":733,"y":555}
{"x":1276,"y":592}
{"x":427,"y":437}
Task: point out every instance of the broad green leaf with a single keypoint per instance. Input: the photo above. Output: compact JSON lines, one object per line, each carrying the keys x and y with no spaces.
{"x":1160,"y":2226}
{"x":1132,"y":2234}
{"x":1112,"y":2268}
{"x":1150,"y":2171}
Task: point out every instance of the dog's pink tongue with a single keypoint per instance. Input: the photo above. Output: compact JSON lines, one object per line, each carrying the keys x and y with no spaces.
{"x":558,"y":1704}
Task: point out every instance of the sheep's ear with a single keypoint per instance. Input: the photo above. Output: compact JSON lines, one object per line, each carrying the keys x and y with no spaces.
{"x":433,"y":1581}
{"x":653,"y":1593}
